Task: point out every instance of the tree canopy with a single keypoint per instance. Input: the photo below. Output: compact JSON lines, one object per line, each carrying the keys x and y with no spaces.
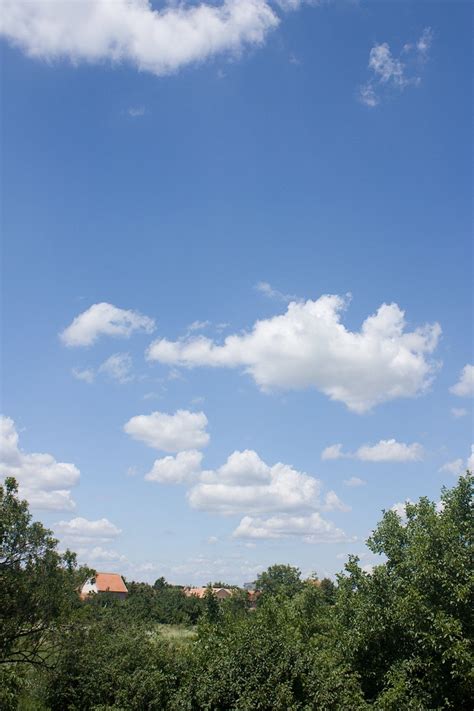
{"x":398,"y":637}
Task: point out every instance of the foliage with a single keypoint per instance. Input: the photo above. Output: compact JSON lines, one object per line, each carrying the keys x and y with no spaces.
{"x":398,"y":638}
{"x":109,"y":664}
{"x":407,"y":628}
{"x":282,"y":580}
{"x":38,"y":584}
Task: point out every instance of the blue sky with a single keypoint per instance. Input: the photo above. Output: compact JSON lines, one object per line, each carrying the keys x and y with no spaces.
{"x":199,"y":182}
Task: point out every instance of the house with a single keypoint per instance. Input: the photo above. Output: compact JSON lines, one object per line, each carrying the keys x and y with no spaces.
{"x":220,"y":593}
{"x":111,"y":583}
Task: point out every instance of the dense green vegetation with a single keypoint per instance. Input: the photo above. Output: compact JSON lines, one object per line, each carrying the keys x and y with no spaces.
{"x":398,"y":638}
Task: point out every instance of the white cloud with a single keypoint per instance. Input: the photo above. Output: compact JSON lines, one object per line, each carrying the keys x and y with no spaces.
{"x":354,"y":481}
{"x":133,"y":32}
{"x":55,"y":500}
{"x":458,"y":466}
{"x":465,"y":385}
{"x":245,"y":483}
{"x":368,"y":96}
{"x":267,"y":289}
{"x":136,"y":111}
{"x":389,"y":71}
{"x":387,"y":450}
{"x":458,"y":412}
{"x":184,"y":467}
{"x":118,"y":367}
{"x":400,"y":509}
{"x":424,"y":43}
{"x":332,"y":452}
{"x":170,"y":433}
{"x":82,"y":529}
{"x":308,"y":346}
{"x":385,"y":66}
{"x":87,"y":375}
{"x":202,"y":569}
{"x":100,"y":555}
{"x":42,"y":480}
{"x":470,"y":460}
{"x":332,"y":502}
{"x":312,"y":528}
{"x":198,"y":325}
{"x":104,"y":319}
{"x":455,"y":467}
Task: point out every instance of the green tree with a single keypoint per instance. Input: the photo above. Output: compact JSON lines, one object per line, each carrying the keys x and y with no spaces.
{"x":407,"y":628}
{"x":37,"y":584}
{"x":282,"y":580}
{"x":211,"y":605}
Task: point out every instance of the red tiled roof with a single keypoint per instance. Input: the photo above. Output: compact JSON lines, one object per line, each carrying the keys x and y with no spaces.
{"x":110,"y":582}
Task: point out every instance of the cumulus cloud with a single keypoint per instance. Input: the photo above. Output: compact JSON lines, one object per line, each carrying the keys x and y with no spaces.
{"x":182,"y":468}
{"x":465,"y":385}
{"x":84,"y":530}
{"x":309,"y":347}
{"x":159,"y":41}
{"x":332,"y":502}
{"x":104,"y":320}
{"x":334,"y":451}
{"x":459,"y":466}
{"x":170,"y":433}
{"x":387,"y":450}
{"x":246,"y":484}
{"x":311,"y":528}
{"x":42,"y":480}
{"x":400,"y":509}
{"x":390,"y":72}
{"x":118,"y":367}
{"x":455,"y":467}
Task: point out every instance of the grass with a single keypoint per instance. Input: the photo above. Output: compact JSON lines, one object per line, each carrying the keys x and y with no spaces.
{"x":177,"y":634}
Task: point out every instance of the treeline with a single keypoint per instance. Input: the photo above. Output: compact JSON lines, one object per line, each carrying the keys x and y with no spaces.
{"x":397,"y":638}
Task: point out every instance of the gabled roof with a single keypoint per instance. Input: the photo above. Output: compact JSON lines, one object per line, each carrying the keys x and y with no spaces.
{"x":110,"y":582}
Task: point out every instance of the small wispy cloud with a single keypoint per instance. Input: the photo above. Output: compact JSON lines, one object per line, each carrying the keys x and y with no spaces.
{"x":118,"y":367}
{"x":136,"y":111}
{"x":390,"y":72}
{"x":267,"y":289}
{"x":198,"y":325}
{"x":354,"y":481}
{"x":87,"y":375}
{"x":458,"y":412}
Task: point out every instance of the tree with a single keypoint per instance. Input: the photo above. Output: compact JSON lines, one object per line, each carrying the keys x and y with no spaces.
{"x":38,"y":585}
{"x":279,"y":580}
{"x":407,"y":628}
{"x":211,"y":605}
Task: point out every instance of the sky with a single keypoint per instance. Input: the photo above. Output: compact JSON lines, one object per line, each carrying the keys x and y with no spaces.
{"x":237,"y":275}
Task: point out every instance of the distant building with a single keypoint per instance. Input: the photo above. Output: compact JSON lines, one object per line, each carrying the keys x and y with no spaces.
{"x":220,"y":593}
{"x":111,"y":583}
{"x":249,"y":586}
